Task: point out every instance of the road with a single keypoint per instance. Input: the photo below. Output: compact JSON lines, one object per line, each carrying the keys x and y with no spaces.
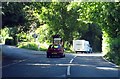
{"x":27,"y":63}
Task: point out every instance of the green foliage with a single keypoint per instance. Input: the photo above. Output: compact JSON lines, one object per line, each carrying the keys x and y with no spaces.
{"x":112,"y":27}
{"x":32,"y":46}
{"x":9,"y":41}
{"x":56,"y":16}
{"x":44,"y":46}
{"x":20,"y":15}
{"x":13,"y":31}
{"x":12,"y":14}
{"x":24,"y":37}
{"x":67,"y":19}
{"x":112,"y":20}
{"x":43,"y":33}
{"x":4,"y":33}
{"x":28,"y":45}
{"x":113,"y":52}
{"x":93,"y":34}
{"x":115,"y":45}
{"x":105,"y":43}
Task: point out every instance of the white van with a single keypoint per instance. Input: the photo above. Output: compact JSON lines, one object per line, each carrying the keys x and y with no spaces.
{"x":81,"y":46}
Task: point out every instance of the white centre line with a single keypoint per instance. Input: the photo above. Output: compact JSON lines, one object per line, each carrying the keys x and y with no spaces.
{"x":68,"y":68}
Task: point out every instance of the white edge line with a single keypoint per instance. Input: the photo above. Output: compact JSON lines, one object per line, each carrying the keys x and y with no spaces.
{"x":12,"y":63}
{"x":110,"y":62}
{"x":68,"y":68}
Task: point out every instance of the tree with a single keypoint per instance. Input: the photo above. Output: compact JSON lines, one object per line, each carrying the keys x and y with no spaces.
{"x":67,"y":19}
{"x":19,"y":17}
{"x":13,"y":14}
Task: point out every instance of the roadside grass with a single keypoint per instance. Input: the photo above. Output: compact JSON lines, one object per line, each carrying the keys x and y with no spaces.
{"x":69,"y":51}
{"x":33,"y":46}
{"x":112,"y":57}
{"x":43,"y":47}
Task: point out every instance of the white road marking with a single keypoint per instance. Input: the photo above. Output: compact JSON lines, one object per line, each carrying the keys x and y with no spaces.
{"x":38,"y":64}
{"x":110,"y":62}
{"x":68,"y":68}
{"x":71,"y":60}
{"x":107,"y":68}
{"x":89,"y":54}
{"x":13,"y":63}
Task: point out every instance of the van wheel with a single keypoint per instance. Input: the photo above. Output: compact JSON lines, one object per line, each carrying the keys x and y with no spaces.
{"x":48,"y":56}
{"x":63,"y":55}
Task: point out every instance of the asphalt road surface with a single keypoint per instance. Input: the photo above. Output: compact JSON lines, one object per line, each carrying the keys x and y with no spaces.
{"x":27,"y":63}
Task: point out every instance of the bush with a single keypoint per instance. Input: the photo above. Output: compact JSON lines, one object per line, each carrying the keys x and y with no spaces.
{"x":24,"y":37}
{"x":4,"y":34}
{"x":9,"y":41}
{"x":28,"y":45}
{"x":113,"y":57}
{"x":32,"y":46}
{"x":1,"y":39}
{"x":114,"y":54}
